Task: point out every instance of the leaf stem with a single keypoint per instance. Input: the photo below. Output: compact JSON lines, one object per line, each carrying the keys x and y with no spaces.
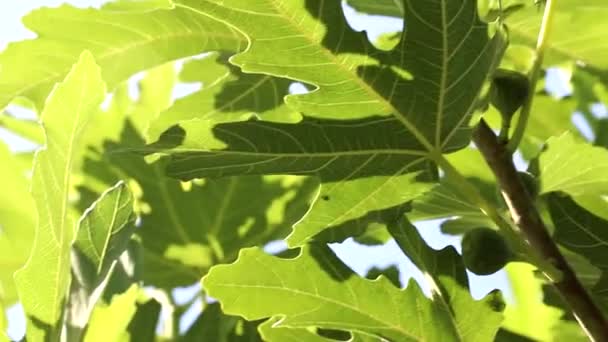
{"x":541,"y":45}
{"x":526,"y":216}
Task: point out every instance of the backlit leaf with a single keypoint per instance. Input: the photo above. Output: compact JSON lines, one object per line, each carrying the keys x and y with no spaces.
{"x":452,"y":309}
{"x":231,"y":213}
{"x":17,"y":224}
{"x":109,"y":322}
{"x":43,"y":282}
{"x":103,"y":234}
{"x":122,"y":42}
{"x":317,"y":290}
{"x":227,"y":93}
{"x":574,"y":167}
{"x":577,"y":28}
{"x":375,"y":117}
{"x":342,"y":155}
{"x":429,"y":82}
{"x":528,"y":315}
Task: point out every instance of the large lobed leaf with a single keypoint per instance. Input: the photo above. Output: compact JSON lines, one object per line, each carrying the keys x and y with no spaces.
{"x":317,"y":290}
{"x":17,"y":224}
{"x":43,"y":282}
{"x":429,"y":82}
{"x":123,"y":43}
{"x":577,"y":28}
{"x":374,"y":119}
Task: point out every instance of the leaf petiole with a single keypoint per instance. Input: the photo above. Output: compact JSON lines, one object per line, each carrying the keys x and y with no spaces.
{"x":541,"y":45}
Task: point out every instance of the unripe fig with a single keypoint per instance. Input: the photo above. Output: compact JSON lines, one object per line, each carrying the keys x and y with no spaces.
{"x":484,"y":251}
{"x":509,"y":92}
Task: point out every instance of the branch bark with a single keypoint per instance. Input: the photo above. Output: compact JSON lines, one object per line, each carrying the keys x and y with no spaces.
{"x":526,"y":216}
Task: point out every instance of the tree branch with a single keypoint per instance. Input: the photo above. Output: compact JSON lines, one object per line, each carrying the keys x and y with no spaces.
{"x":527,"y":218}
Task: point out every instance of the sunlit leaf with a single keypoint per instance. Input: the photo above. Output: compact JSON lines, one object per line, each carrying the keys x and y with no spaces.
{"x":578,"y":24}
{"x":353,"y":184}
{"x":227,"y":93}
{"x":528,"y":315}
{"x":453,"y":307}
{"x":356,"y":80}
{"x":138,"y":5}
{"x":109,"y":322}
{"x":317,"y":289}
{"x":103,"y":234}
{"x":43,"y":282}
{"x":179,"y":246}
{"x":362,"y":128}
{"x":574,"y":167}
{"x":17,"y":224}
{"x":122,"y":42}
{"x":576,"y":28}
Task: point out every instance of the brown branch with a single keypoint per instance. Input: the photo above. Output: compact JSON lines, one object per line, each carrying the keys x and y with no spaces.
{"x":526,"y":216}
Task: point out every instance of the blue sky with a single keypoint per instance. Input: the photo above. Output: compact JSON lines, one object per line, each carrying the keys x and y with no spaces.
{"x":358,"y":257}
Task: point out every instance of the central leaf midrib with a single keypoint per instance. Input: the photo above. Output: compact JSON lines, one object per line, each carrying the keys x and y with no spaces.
{"x":63,"y":241}
{"x":311,"y":154}
{"x":111,"y":227}
{"x":444,"y":74}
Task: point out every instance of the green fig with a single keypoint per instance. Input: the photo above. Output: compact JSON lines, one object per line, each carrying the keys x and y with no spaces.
{"x":509,"y":92}
{"x":485,"y":251}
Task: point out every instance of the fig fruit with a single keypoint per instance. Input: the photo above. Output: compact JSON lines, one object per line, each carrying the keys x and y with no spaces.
{"x":485,"y":251}
{"x":509,"y":92}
